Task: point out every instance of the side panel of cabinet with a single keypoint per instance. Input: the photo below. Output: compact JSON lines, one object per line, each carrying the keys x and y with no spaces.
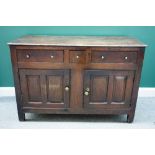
{"x":107,"y":88}
{"x":45,"y":88}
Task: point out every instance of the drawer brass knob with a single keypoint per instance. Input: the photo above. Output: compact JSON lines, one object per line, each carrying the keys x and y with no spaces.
{"x":102,"y":57}
{"x":86,"y":93}
{"x":52,"y":56}
{"x":125,"y":58}
{"x":27,"y":56}
{"x":77,"y":57}
{"x":67,"y":88}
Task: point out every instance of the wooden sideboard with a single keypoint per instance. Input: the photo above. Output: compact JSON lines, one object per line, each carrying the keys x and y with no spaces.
{"x":76,"y":74}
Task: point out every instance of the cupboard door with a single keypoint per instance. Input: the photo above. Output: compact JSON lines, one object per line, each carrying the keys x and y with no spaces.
{"x":45,"y":88}
{"x":107,"y":88}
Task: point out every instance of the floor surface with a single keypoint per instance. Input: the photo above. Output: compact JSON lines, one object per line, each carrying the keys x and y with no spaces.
{"x":144,"y":118}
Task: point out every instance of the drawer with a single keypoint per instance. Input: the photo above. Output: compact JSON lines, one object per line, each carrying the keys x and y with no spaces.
{"x":77,"y":56}
{"x":113,"y":57}
{"x":40,"y":56}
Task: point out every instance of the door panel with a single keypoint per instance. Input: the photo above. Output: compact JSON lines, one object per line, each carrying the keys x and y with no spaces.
{"x":107,"y":88}
{"x":99,"y":88}
{"x":33,"y":87}
{"x":45,"y":88}
{"x":119,"y":88}
{"x":55,"y":88}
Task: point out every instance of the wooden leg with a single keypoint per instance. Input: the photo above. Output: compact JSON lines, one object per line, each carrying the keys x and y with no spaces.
{"x":21,"y":116}
{"x":130,"y":117}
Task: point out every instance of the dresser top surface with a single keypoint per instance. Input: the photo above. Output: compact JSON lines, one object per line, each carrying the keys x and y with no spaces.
{"x":105,"y":41}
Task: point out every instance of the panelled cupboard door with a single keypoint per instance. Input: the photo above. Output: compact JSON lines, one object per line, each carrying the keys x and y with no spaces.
{"x":107,"y":88}
{"x":45,"y":88}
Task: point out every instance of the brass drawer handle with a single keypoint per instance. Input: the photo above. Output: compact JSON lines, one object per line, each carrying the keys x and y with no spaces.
{"x":77,"y":57}
{"x":125,"y":58}
{"x":102,"y":57}
{"x":52,"y":56}
{"x":86,"y":93}
{"x":66,"y":88}
{"x":27,"y":56}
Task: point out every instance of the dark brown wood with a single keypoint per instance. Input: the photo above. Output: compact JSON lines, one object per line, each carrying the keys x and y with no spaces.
{"x":76,"y":80}
{"x":82,"y":48}
{"x":112,"y":57}
{"x":107,"y":88}
{"x":45,"y":88}
{"x":21,"y":114}
{"x":140,"y":58}
{"x":77,"y":57}
{"x":46,"y":65}
{"x":40,"y":56}
{"x":76,"y":111}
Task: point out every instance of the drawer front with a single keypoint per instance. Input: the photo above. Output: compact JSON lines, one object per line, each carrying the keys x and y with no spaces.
{"x":40,"y":56}
{"x":113,"y":57}
{"x":77,"y":56}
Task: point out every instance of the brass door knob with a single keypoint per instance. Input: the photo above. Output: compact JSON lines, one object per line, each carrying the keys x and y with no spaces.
{"x":125,"y":58}
{"x":77,"y":57}
{"x":52,"y":56}
{"x":86,"y":93}
{"x":27,"y":56}
{"x":67,"y":88}
{"x":102,"y":57}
